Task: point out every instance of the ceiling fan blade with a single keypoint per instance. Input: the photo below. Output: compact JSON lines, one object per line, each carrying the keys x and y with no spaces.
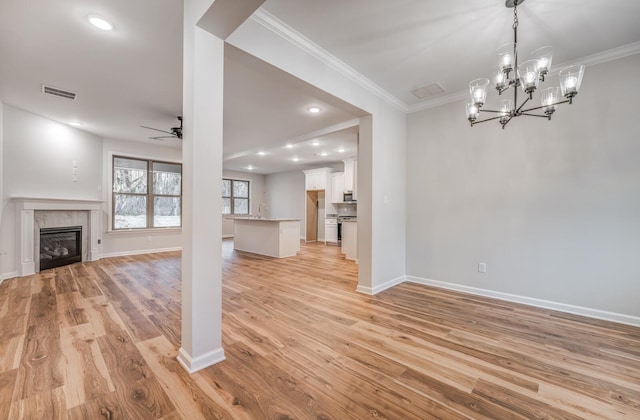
{"x":162,"y":137}
{"x":155,"y":129}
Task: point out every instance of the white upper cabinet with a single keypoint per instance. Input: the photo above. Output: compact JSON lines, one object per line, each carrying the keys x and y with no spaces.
{"x":337,"y":184}
{"x":350,"y":175}
{"x":316,"y":179}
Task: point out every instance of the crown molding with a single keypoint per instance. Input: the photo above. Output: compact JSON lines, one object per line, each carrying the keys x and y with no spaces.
{"x":283,"y":30}
{"x":590,"y":60}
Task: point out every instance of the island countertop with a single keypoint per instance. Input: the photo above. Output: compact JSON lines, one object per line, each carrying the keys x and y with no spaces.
{"x":264,"y":219}
{"x":279,"y":238}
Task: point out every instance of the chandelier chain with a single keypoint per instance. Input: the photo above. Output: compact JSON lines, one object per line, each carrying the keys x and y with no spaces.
{"x":515,"y":16}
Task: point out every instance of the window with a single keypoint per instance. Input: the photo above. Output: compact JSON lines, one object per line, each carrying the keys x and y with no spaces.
{"x":146,"y":194}
{"x":235,"y":196}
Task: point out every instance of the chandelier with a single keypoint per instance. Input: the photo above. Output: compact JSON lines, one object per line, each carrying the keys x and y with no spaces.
{"x":526,"y":76}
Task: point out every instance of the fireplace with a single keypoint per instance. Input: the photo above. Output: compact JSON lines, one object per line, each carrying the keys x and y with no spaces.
{"x":60,"y":246}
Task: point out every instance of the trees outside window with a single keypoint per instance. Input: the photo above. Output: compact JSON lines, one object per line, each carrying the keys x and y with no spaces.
{"x":235,"y":196}
{"x":146,"y":194}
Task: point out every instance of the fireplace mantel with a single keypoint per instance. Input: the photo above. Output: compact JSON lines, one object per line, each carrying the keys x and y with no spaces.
{"x":25,"y":231}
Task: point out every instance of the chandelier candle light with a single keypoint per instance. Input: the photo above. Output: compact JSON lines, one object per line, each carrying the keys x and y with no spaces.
{"x":526,"y":76}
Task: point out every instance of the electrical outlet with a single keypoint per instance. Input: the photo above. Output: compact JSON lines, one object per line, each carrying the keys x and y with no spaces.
{"x":482,"y":267}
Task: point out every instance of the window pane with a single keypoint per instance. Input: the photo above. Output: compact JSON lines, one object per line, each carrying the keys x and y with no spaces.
{"x":241,"y":189}
{"x":167,"y":178}
{"x":166,"y":211}
{"x":130,"y":211}
{"x":226,"y":188}
{"x":129,"y":176}
{"x":241,"y":205}
{"x":226,"y":206}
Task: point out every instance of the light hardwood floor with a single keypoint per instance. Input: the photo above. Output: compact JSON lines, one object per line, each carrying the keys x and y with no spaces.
{"x":99,"y":341}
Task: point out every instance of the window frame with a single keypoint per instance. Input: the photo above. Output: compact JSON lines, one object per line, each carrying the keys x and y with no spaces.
{"x":231,"y":197}
{"x":150,"y":195}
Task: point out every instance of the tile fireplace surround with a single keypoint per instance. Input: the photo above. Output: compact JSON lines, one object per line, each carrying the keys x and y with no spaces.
{"x":26,"y":234}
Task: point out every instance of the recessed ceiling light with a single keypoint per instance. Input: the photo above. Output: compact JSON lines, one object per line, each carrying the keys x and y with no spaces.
{"x":289,"y":146}
{"x":315,"y":143}
{"x":313,"y":109}
{"x":75,"y":123}
{"x":250,"y":168}
{"x":295,"y":159}
{"x":100,"y":23}
{"x":323,"y":154}
{"x":261,"y":153}
{"x":341,"y":150}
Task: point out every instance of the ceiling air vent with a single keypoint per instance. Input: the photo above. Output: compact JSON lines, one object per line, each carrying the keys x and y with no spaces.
{"x":58,"y":92}
{"x":426,"y":91}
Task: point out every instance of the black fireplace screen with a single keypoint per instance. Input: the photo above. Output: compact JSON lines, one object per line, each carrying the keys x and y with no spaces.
{"x":60,"y":246}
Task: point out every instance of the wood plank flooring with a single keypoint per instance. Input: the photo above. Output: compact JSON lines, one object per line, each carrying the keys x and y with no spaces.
{"x":99,"y":341}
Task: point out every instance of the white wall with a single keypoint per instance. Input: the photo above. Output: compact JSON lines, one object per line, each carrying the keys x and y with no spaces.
{"x":135,"y":242}
{"x":285,"y":196}
{"x":552,"y":207}
{"x":37,"y":160}
{"x":256,"y":197}
{"x":2,"y":203}
{"x":381,"y":151}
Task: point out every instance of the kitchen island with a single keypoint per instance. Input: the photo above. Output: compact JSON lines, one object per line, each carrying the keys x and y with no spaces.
{"x":279,"y":238}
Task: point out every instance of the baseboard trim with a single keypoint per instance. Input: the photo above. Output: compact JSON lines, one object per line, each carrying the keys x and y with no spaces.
{"x":7,"y":276}
{"x":140,"y":252}
{"x":540,"y":303}
{"x":208,"y":359}
{"x":381,"y":287}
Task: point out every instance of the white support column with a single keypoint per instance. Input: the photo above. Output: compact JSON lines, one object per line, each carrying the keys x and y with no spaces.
{"x":202,"y":172}
{"x":202,"y":175}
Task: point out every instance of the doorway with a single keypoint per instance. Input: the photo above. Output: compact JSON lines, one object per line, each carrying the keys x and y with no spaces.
{"x":315,"y":216}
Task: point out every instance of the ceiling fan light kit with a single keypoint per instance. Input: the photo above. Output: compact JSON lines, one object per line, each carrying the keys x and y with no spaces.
{"x":528,"y":76}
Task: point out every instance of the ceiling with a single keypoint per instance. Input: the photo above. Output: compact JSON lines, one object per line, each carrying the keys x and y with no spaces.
{"x":132,"y":75}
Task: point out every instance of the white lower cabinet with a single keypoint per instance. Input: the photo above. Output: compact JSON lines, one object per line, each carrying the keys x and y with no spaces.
{"x":331,"y":231}
{"x":350,"y":240}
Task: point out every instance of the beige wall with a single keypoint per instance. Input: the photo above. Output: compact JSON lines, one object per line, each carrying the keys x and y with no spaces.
{"x":552,"y":207}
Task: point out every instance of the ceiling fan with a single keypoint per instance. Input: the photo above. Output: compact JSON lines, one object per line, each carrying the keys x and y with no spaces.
{"x":176,"y":132}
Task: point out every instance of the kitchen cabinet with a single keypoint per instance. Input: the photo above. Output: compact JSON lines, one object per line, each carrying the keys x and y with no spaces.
{"x":331,"y":231}
{"x":350,"y":240}
{"x":315,"y":180}
{"x":351,"y":176}
{"x":279,"y":238}
{"x":337,"y":187}
{"x":349,"y":167}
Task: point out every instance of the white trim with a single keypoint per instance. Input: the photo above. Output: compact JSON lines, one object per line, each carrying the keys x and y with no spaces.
{"x":540,"y":303}
{"x":140,"y":252}
{"x":25,"y":225}
{"x":7,"y":276}
{"x":275,"y":25}
{"x":109,"y":180}
{"x":283,"y":30}
{"x":171,"y":229}
{"x":381,"y":287}
{"x":200,"y":362}
{"x":590,"y":60}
